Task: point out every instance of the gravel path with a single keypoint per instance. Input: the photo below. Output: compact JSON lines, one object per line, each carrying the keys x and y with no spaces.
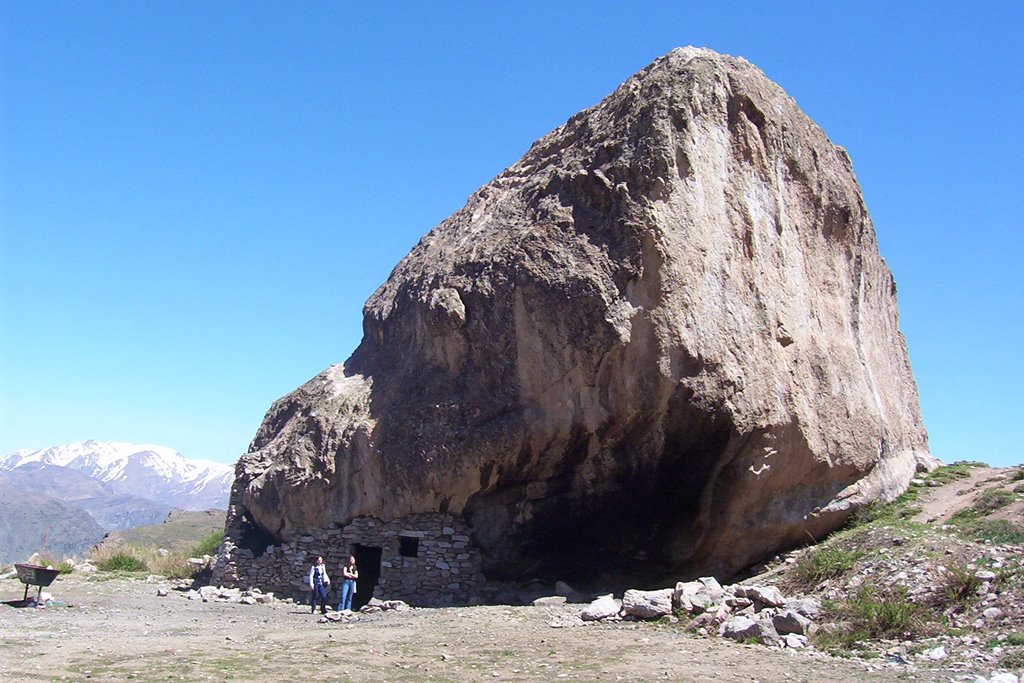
{"x":940,"y":503}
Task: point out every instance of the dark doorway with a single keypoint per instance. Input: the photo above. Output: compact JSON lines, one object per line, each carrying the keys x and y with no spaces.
{"x":368,"y":564}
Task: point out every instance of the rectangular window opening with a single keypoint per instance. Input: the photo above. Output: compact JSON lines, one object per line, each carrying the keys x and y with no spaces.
{"x":408,"y":546}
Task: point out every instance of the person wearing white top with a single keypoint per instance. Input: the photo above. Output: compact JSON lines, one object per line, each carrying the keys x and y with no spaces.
{"x":319,"y":583}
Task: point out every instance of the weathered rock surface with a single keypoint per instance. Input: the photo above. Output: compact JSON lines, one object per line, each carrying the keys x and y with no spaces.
{"x":604,"y":607}
{"x":664,"y":337}
{"x":790,"y":621}
{"x":647,"y":604}
{"x":744,"y":628}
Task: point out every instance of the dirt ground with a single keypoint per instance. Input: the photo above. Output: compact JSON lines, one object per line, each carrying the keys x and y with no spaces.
{"x":119,"y":629}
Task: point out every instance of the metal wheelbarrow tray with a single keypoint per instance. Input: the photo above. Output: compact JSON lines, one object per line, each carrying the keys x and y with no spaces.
{"x":34,"y":575}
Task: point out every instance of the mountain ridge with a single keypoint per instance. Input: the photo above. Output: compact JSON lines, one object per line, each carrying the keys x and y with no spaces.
{"x":75,"y":493}
{"x":144,"y":470}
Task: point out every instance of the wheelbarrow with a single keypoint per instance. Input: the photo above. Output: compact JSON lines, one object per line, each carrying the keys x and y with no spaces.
{"x":34,"y":575}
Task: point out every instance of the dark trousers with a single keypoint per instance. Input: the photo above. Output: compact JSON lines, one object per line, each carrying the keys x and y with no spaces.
{"x":319,"y":594}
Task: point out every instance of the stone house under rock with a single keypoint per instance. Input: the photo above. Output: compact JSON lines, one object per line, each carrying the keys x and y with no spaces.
{"x":423,"y":559}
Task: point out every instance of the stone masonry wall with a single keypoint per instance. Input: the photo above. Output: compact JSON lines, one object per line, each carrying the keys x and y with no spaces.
{"x":445,"y":571}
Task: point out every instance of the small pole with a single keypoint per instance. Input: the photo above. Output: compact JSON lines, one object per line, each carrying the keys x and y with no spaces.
{"x":42,"y":551}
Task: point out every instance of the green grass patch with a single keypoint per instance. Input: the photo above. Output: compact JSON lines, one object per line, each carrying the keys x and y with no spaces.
{"x":825,"y":562}
{"x":683,"y":615}
{"x":209,"y":544}
{"x":174,"y":565}
{"x":892,"y":617}
{"x":950,"y":473}
{"x":977,"y":528}
{"x":872,"y":615}
{"x":1012,"y":660}
{"x":991,"y":500}
{"x":960,"y":585}
{"x":902,"y":508}
{"x":62,"y":565}
{"x":1011,"y":639}
{"x":972,"y":521}
{"x":124,"y":562}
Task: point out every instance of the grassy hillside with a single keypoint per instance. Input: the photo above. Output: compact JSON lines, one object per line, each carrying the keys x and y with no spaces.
{"x":940,"y":566}
{"x":181,"y":530}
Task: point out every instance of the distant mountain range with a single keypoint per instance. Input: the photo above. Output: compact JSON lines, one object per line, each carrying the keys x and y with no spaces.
{"x":80,"y":491}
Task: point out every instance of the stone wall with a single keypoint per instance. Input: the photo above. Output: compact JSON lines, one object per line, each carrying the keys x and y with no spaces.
{"x":444,"y":571}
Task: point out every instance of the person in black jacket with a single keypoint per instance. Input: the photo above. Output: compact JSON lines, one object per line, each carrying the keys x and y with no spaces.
{"x":348,"y":585}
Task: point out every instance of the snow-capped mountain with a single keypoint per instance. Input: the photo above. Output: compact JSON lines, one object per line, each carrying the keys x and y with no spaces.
{"x":155,"y":472}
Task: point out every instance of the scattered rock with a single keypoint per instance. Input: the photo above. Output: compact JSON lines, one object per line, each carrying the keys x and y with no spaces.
{"x":768,"y":596}
{"x":604,"y":607}
{"x":549,"y":601}
{"x":647,"y":604}
{"x":790,"y":621}
{"x":794,"y":641}
{"x":998,"y":677}
{"x":808,"y":607}
{"x":744,"y":628}
{"x":371,"y":608}
{"x":697,"y":596}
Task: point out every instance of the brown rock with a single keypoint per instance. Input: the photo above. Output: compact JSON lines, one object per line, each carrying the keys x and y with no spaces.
{"x":665,"y":332}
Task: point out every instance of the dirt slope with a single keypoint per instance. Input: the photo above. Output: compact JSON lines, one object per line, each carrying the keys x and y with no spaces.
{"x":939,"y":504}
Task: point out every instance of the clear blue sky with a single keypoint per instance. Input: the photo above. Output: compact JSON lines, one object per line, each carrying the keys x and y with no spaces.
{"x":197,"y":198}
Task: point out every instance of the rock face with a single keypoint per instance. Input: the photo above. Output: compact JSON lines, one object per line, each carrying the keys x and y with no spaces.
{"x":661,"y":343}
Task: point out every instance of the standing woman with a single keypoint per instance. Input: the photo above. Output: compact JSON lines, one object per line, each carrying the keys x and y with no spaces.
{"x":348,"y":584}
{"x":318,"y":583}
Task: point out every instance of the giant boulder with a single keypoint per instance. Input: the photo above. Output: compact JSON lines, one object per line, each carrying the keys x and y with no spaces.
{"x":661,"y":343}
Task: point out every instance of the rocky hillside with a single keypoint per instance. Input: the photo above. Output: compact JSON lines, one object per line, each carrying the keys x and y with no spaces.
{"x":931,"y":584}
{"x":78,"y":490}
{"x":27,"y":520}
{"x":935,"y":579}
